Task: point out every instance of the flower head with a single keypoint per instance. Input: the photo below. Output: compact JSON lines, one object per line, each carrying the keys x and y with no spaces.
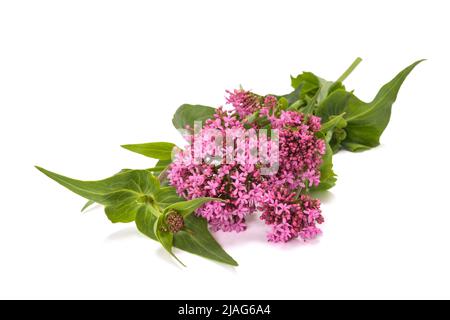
{"x":238,"y":179}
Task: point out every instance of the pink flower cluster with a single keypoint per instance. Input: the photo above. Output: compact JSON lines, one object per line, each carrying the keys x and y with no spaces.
{"x":244,"y":102}
{"x":279,"y":198}
{"x":291,"y":217}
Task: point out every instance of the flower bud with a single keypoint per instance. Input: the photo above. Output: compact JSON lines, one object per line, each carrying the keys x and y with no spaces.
{"x":175,"y":221}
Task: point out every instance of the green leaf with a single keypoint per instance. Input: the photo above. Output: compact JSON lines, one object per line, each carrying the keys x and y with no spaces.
{"x":294,"y":96}
{"x":187,"y":114}
{"x":155,"y":150}
{"x":123,"y":194}
{"x":324,"y":89}
{"x":309,"y":81}
{"x":195,"y":239}
{"x":365,"y":121}
{"x":327,"y":175}
{"x":198,"y":240}
{"x":165,"y":237}
{"x":185,"y":208}
{"x":309,"y":91}
{"x":90,"y":202}
{"x":145,"y":222}
{"x":312,"y":90}
{"x":283,"y":103}
{"x":160,"y":171}
{"x":160,"y":166}
{"x":309,"y":108}
{"x":167,"y":196}
{"x":87,"y":205}
{"x":333,"y":122}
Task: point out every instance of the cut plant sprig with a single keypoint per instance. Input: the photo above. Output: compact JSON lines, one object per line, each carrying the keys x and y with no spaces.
{"x":146,"y":198}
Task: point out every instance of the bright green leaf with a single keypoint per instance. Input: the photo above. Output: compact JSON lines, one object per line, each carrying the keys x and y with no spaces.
{"x":89,"y":203}
{"x":155,"y":150}
{"x":122,"y":194}
{"x":309,"y":81}
{"x":167,"y":196}
{"x":160,"y":166}
{"x":165,"y":237}
{"x":185,"y":208}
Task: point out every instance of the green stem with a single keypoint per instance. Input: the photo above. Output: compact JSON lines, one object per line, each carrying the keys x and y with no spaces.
{"x":349,"y":70}
{"x":298,"y":193}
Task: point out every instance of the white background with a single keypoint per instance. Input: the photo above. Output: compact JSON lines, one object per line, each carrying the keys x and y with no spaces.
{"x":80,"y":78}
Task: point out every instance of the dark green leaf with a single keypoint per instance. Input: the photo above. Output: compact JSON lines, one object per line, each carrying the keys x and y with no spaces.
{"x":198,"y":240}
{"x":335,"y":104}
{"x":334,"y":121}
{"x":187,"y":114}
{"x":365,"y":121}
{"x":122,"y":195}
{"x":327,"y":175}
{"x":195,"y":239}
{"x":155,"y":150}
{"x":294,"y":96}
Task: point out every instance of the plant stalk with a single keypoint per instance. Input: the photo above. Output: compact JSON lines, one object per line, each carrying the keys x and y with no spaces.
{"x":349,"y":70}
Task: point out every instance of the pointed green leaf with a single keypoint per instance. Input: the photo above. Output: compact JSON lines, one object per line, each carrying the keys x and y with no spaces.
{"x":165,"y":237}
{"x":198,"y":240}
{"x":195,"y":239}
{"x":155,"y":150}
{"x":122,"y":194}
{"x":87,"y":205}
{"x":187,"y":114}
{"x":365,"y":121}
{"x":185,"y":208}
{"x":90,"y":202}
